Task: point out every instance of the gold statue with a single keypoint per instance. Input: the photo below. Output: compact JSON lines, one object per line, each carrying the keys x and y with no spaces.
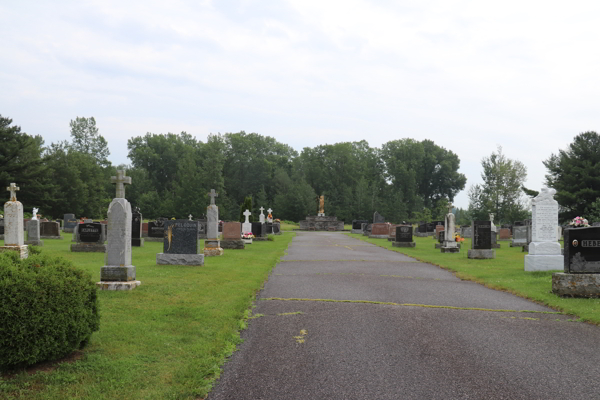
{"x":322,"y":204}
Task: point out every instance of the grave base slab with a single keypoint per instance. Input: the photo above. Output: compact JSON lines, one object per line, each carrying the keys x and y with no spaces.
{"x":517,"y":244}
{"x":378,"y":236}
{"x":52,"y":237}
{"x":403,"y":244}
{"x":450,"y":249}
{"x":179,"y":259}
{"x":153,"y":239}
{"x":359,"y":231}
{"x":34,"y":242}
{"x":576,"y":285}
{"x":89,"y":247}
{"x":544,"y":263}
{"x":23,"y":250}
{"x":481,"y":254}
{"x":116,"y":273}
{"x":420,"y":234}
{"x":259,"y":239}
{"x":213,"y":251}
{"x":130,"y":285}
{"x":232,"y":244}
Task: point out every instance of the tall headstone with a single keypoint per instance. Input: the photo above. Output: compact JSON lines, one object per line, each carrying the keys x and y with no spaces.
{"x":544,"y":249}
{"x":13,"y":224}
{"x":232,"y":236}
{"x":212,"y":247}
{"x":449,"y":245}
{"x":136,"y":228}
{"x":261,"y":217}
{"x":33,"y":233}
{"x":481,"y":244}
{"x":118,"y":273}
{"x":247,"y":225}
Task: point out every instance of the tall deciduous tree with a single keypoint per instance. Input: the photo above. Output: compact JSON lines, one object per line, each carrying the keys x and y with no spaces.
{"x":87,"y":140}
{"x":500,"y":192}
{"x":575,"y":174}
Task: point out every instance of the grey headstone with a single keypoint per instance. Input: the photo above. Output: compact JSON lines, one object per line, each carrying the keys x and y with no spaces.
{"x":118,"y":251}
{"x":378,"y":218}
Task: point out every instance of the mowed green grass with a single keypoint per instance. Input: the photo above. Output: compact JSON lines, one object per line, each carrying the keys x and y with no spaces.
{"x":168,"y":338}
{"x":505,"y":272}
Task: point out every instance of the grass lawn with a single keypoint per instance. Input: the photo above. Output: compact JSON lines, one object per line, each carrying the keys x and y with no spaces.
{"x":168,"y":338}
{"x":505,"y":272}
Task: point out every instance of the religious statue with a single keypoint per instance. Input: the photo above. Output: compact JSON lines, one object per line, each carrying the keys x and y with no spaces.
{"x":322,"y":204}
{"x":35,"y":210}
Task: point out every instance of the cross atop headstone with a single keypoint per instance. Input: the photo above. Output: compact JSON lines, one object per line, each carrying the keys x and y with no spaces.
{"x":492,"y":217}
{"x":120,"y":180}
{"x":262,"y":209}
{"x":212,"y":195}
{"x":190,"y":217}
{"x":247,"y":214}
{"x":269,"y":211}
{"x":13,"y":191}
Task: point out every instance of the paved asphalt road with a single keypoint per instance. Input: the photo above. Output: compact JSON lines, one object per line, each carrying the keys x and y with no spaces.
{"x":305,"y":349}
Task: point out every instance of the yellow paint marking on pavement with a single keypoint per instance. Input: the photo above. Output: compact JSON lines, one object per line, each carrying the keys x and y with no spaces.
{"x":412,"y":305}
{"x":300,"y":338}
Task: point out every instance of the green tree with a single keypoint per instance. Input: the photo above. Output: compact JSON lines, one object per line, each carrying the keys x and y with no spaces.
{"x":501,"y":191}
{"x":85,"y":139}
{"x":575,"y":174}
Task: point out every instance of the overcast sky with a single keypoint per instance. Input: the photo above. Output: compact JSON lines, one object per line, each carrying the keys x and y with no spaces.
{"x":469,"y":75}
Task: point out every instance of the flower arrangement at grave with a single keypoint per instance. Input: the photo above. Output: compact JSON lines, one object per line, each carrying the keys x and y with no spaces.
{"x":459,"y":239}
{"x":277,"y":220}
{"x":247,"y":235}
{"x":579,"y":222}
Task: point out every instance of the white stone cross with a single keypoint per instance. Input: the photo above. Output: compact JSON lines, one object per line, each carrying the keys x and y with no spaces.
{"x":121,"y":180}
{"x":492,"y":218}
{"x":247,"y":214}
{"x":212,"y":195}
{"x":261,"y":210}
{"x":13,"y":191}
{"x":269,"y":211}
{"x":190,"y":217}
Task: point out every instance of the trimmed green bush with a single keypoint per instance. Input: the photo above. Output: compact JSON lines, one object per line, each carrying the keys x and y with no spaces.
{"x":47,"y":309}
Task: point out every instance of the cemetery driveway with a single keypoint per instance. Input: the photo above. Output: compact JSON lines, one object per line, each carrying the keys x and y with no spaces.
{"x":343,"y":319}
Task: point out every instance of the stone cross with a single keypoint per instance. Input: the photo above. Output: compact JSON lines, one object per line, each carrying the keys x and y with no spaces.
{"x":491,"y":218}
{"x":262,"y":209}
{"x":190,"y":217}
{"x":247,"y":214}
{"x":13,"y":191}
{"x":212,"y":195}
{"x":121,"y":180}
{"x":269,"y":211}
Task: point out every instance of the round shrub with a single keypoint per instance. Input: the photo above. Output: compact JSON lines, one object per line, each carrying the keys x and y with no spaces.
{"x":47,"y":309}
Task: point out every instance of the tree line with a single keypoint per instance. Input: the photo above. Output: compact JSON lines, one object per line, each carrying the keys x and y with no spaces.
{"x":404,"y":179}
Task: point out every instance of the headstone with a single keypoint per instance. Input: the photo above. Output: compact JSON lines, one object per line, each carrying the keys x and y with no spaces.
{"x":1,"y":228}
{"x":136,"y":228}
{"x":504,"y":234}
{"x":202,"y":229}
{"x":495,"y":244}
{"x":212,"y":247}
{"x":276,"y":228}
{"x":247,"y":226}
{"x":404,"y":235}
{"x":450,"y":245}
{"x":13,"y":224}
{"x":180,"y":244}
{"x":232,"y":236}
{"x":33,"y":233}
{"x":520,"y":235}
{"x":70,"y":222}
{"x":118,"y":273}
{"x":156,"y":230}
{"x":392,"y":235}
{"x":544,"y":249}
{"x":466,"y":231}
{"x":357,"y":225}
{"x":261,"y":217}
{"x":378,"y":218}
{"x":259,"y":230}
{"x":380,"y":231}
{"x":581,"y":276}
{"x":270,"y":215}
{"x":89,"y":238}
{"x":481,"y":244}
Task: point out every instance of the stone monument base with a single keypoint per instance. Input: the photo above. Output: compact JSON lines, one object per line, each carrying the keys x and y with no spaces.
{"x":544,"y":263}
{"x":403,"y":244}
{"x":525,"y":248}
{"x":481,"y":254}
{"x":320,"y":223}
{"x":260,"y":239}
{"x":52,"y":237}
{"x":391,"y":239}
{"x":496,"y":246}
{"x":34,"y":242}
{"x":576,"y":285}
{"x":213,"y":251}
{"x":449,"y":249}
{"x":130,"y":285}
{"x":513,"y":244}
{"x":89,"y":247}
{"x":153,"y":239}
{"x":179,"y":259}
{"x":232,"y":244}
{"x":357,"y":231}
{"x":421,"y":234}
{"x":23,"y":250}
{"x":116,"y":273}
{"x":438,"y":245}
{"x":378,"y":236}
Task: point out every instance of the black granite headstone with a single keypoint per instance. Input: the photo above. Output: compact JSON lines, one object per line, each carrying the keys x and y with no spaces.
{"x":441,"y":236}
{"x":404,"y":233}
{"x":90,"y":232}
{"x":181,"y":237}
{"x":136,"y":228}
{"x":276,"y":228}
{"x":1,"y":227}
{"x":357,"y":223}
{"x":70,"y":222}
{"x":269,"y":228}
{"x":431,"y":226}
{"x":482,"y":235}
{"x":422,"y":228}
{"x":258,"y":229}
{"x":157,"y":228}
{"x":378,"y":218}
{"x":582,"y":250}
